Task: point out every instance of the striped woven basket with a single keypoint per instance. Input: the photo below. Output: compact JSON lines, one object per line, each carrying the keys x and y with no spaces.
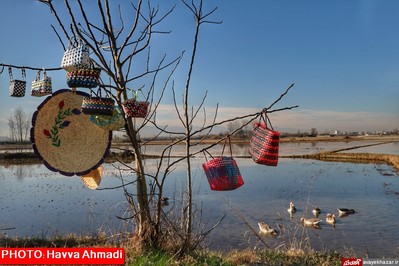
{"x":83,"y":78}
{"x":264,"y":145}
{"x":98,"y":105}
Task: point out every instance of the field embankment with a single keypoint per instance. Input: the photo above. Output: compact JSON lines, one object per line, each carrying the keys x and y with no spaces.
{"x":23,"y":153}
{"x":354,"y":158}
{"x":338,"y":156}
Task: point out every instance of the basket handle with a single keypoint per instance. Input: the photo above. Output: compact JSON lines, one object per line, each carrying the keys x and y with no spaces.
{"x":23,"y":73}
{"x":265,"y":118}
{"x":38,"y":75}
{"x":208,"y":154}
{"x":98,"y":94}
{"x":135,"y":94}
{"x":107,"y":95}
{"x":74,"y":40}
{"x":224,"y":145}
{"x":10,"y":72}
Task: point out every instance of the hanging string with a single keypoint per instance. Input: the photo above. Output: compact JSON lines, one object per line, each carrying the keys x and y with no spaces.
{"x":28,"y":67}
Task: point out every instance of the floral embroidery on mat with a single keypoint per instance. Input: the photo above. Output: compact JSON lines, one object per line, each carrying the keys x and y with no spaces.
{"x":60,"y":123}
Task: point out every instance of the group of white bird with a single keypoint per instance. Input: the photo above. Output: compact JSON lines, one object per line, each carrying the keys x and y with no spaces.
{"x":313,"y":222}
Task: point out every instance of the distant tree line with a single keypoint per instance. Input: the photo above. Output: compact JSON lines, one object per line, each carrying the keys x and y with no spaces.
{"x":19,"y":125}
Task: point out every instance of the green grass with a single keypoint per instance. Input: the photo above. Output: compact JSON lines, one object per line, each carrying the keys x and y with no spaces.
{"x":241,"y":257}
{"x":156,"y":258}
{"x":199,"y":257}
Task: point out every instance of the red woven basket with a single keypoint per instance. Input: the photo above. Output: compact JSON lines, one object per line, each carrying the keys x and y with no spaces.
{"x":134,"y":108}
{"x":223,"y":173}
{"x":264,"y":145}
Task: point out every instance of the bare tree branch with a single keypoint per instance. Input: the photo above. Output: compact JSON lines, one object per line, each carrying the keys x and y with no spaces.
{"x":199,"y":108}
{"x":133,"y":29}
{"x":50,"y":4}
{"x":175,"y":104}
{"x":59,"y":37}
{"x":121,"y":21}
{"x":279,"y":98}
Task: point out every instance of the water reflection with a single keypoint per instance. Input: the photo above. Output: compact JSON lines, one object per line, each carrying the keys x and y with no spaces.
{"x":19,"y":171}
{"x":314,"y":144}
{"x":35,"y":200}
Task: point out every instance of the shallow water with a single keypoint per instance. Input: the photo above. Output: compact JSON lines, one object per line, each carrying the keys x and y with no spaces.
{"x":292,"y":148}
{"x":38,"y":202}
{"x":372,"y":190}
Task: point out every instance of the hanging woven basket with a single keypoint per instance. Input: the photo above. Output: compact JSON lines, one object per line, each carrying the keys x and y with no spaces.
{"x":264,"y":145}
{"x":222,"y":172}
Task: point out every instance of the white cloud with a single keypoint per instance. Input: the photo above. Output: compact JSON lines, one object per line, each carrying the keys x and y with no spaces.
{"x":330,"y":120}
{"x":292,"y":120}
{"x":288,"y":120}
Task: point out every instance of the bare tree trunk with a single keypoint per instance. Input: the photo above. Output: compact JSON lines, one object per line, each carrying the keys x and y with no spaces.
{"x":11,"y":125}
{"x":188,"y":120}
{"x":141,"y":187}
{"x":20,"y":121}
{"x":188,"y":125}
{"x":26,"y":128}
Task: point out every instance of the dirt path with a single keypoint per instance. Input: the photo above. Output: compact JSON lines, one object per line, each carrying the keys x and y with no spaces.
{"x":336,"y":156}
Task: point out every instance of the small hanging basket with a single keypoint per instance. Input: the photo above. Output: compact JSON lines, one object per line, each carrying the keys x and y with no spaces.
{"x":264,"y":144}
{"x":41,"y":87}
{"x":135,"y":108}
{"x":76,"y":57}
{"x":98,"y":105}
{"x":114,"y":122}
{"x":222,"y":172}
{"x":83,"y":78}
{"x":17,"y":87}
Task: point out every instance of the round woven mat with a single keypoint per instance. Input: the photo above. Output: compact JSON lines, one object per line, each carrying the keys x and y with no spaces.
{"x":64,"y":138}
{"x":92,"y":180}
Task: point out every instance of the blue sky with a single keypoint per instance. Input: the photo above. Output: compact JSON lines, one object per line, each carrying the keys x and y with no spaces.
{"x":343,"y":57}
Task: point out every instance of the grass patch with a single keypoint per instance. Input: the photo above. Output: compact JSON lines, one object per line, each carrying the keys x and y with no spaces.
{"x":57,"y":241}
{"x":272,"y":257}
{"x":236,"y":257}
{"x":156,"y":258}
{"x":199,"y":257}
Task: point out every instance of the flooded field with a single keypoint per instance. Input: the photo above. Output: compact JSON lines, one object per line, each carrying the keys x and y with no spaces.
{"x":37,"y":202}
